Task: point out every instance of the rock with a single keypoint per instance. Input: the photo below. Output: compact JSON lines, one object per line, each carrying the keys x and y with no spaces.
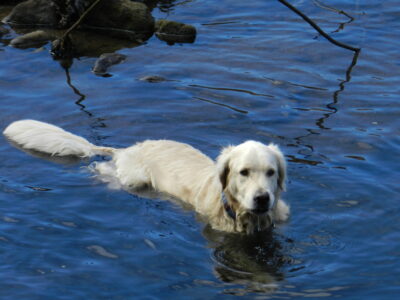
{"x":175,"y":32}
{"x":123,"y":15}
{"x":118,"y":16}
{"x":47,"y":13}
{"x":11,"y":2}
{"x":34,"y":12}
{"x":105,"y":61}
{"x":152,"y":78}
{"x":33,"y":39}
{"x":155,"y":79}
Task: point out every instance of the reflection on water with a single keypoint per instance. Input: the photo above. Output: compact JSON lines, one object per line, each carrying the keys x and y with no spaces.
{"x":97,"y":122}
{"x":253,"y":261}
{"x":320,"y":122}
{"x":332,"y":106}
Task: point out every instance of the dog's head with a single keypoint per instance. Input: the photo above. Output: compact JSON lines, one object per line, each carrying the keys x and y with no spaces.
{"x":252,"y":176}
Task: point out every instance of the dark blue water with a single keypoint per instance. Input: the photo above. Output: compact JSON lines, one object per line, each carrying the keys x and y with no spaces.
{"x":255,"y":71}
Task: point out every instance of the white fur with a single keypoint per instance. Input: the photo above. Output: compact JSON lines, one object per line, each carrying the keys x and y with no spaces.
{"x":181,"y":171}
{"x":47,"y":138}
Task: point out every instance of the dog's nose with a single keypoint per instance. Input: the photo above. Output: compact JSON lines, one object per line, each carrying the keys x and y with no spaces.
{"x":261,"y":203}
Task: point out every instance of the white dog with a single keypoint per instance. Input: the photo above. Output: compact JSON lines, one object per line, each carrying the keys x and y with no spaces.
{"x":238,"y":193}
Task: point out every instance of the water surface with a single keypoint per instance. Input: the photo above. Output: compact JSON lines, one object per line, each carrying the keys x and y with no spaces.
{"x":255,"y":71}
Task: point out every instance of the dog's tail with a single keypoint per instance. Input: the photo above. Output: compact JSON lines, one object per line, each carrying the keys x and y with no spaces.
{"x":50,"y":139}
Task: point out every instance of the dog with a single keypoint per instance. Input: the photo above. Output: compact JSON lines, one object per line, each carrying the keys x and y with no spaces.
{"x":240,"y":192}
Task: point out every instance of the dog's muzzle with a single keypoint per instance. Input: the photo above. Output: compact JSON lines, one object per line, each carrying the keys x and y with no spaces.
{"x":261,"y":204}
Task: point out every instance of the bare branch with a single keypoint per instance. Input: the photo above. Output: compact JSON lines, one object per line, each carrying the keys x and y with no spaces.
{"x":325,"y":6}
{"x":61,"y":45}
{"x":317,"y":28}
{"x":341,"y":12}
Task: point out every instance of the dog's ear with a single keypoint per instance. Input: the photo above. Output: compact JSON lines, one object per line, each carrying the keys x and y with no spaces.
{"x":223,"y":165}
{"x":281,"y":166}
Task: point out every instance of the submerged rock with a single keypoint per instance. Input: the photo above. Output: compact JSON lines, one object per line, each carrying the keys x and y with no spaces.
{"x":155,"y":79}
{"x":105,"y":61}
{"x":175,"y":32}
{"x":152,"y":78}
{"x":33,"y":39}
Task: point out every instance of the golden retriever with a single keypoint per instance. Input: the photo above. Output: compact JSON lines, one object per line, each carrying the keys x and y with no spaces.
{"x":240,"y":192}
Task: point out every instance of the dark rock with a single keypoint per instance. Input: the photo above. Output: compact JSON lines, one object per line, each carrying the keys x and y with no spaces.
{"x":11,"y":2}
{"x":69,"y":11}
{"x":153,"y":78}
{"x":34,"y":13}
{"x":119,"y":16}
{"x":33,"y":39}
{"x":175,"y":32}
{"x":47,"y":13}
{"x":105,"y":61}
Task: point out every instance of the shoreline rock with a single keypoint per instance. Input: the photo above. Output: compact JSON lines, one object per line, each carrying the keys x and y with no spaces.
{"x":116,"y":15}
{"x":173,"y":32}
{"x":36,"y":38}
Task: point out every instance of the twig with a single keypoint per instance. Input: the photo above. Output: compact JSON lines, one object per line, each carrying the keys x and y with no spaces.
{"x":317,"y":28}
{"x":341,"y":12}
{"x":77,"y":23}
{"x":60,"y":46}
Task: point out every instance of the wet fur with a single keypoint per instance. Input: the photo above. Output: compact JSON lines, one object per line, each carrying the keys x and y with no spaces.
{"x":179,"y":170}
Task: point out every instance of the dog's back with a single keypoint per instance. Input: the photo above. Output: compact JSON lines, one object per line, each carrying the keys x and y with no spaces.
{"x":172,"y":167}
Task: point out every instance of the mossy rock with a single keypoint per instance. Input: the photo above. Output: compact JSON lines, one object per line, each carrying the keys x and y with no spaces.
{"x":175,"y":32}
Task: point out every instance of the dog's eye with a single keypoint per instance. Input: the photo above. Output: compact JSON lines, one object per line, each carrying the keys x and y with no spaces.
{"x":244,"y":172}
{"x":270,"y":172}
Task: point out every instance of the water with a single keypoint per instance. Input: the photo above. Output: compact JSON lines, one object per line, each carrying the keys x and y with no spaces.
{"x":255,"y":71}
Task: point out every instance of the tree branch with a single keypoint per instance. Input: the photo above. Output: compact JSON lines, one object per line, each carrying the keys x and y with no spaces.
{"x":60,"y":46}
{"x":341,"y":12}
{"x":317,"y":28}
